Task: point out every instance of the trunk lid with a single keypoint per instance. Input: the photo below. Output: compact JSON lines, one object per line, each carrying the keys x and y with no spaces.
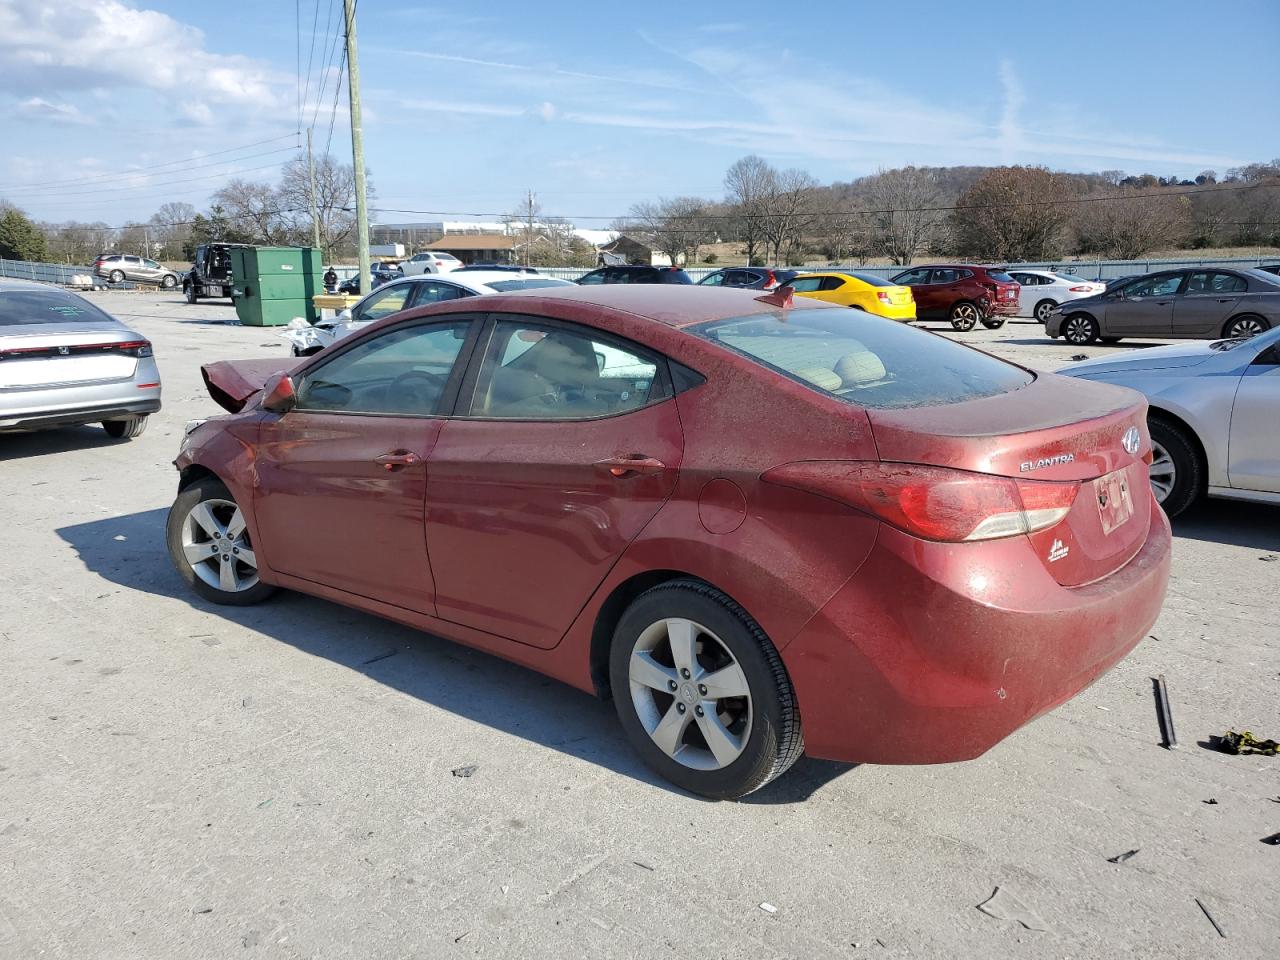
{"x":1049,"y":431}
{"x":51,"y":355}
{"x":232,"y":383}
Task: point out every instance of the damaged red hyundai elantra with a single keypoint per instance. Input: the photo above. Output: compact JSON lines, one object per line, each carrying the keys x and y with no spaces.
{"x":763,"y":528}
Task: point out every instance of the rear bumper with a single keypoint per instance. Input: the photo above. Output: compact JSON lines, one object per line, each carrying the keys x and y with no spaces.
{"x":934,"y":652}
{"x":1003,"y":308}
{"x":40,"y":420}
{"x":901,"y":311}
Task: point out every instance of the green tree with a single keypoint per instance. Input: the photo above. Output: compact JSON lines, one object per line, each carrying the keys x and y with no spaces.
{"x":20,"y":239}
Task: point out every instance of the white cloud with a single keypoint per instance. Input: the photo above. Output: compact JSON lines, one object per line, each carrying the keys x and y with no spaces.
{"x":38,"y":108}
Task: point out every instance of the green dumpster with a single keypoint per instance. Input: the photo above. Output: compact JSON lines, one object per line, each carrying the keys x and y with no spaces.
{"x":272,"y":285}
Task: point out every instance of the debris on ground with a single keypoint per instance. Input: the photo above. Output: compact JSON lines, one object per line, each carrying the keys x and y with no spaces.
{"x":1079,"y":356}
{"x":1122,"y":857}
{"x":1003,"y":905}
{"x":1246,"y":743}
{"x":1209,"y":917}
{"x":1274,"y":840}
{"x":265,"y":803}
{"x":642,"y":866}
{"x":458,"y":938}
{"x":768,"y":908}
{"x":1163,"y":713}
{"x":1211,"y":801}
{"x":1267,"y":558}
{"x":466,"y":771}
{"x":203,"y":910}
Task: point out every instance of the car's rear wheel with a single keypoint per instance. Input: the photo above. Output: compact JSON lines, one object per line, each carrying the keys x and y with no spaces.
{"x":1110,"y":340}
{"x":964,"y":315}
{"x":168,"y":282}
{"x":1043,"y":309}
{"x":126,"y":428}
{"x":191,"y":293}
{"x":1177,"y":475}
{"x":210,"y":546}
{"x":1080,"y":329}
{"x":701,"y":691}
{"x":993,"y":323}
{"x":1246,"y":326}
{"x":116,"y":276}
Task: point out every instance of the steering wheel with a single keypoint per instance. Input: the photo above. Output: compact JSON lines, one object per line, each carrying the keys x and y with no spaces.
{"x":415,"y":391}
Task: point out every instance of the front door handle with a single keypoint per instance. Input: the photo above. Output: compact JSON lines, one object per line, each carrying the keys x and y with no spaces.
{"x":629,"y":466}
{"x":397,"y":459}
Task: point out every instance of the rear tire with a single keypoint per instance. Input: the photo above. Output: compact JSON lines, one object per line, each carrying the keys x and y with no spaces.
{"x":204,"y":516}
{"x":1177,"y":473}
{"x":964,"y":315}
{"x":1080,"y":329}
{"x":1043,"y":309}
{"x":687,"y":659}
{"x":993,"y":323}
{"x":125,"y":429}
{"x":1246,"y":326}
{"x":191,"y":293}
{"x":1109,"y":340}
{"x":116,"y":276}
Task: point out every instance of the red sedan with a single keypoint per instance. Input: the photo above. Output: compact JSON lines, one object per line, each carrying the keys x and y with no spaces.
{"x":764,"y":528}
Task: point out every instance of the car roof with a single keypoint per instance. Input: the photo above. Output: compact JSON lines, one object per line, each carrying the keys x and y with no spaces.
{"x":12,"y":284}
{"x":676,"y":306}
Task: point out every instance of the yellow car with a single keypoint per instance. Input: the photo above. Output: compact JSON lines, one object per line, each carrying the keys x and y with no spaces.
{"x":863,"y":290}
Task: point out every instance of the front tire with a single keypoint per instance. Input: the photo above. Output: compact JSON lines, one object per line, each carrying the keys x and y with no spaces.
{"x":1177,"y":474}
{"x":125,"y":429}
{"x":210,"y":547}
{"x":1247,"y":326}
{"x":1080,"y":329}
{"x":168,"y":283}
{"x":964,"y":315}
{"x":701,"y":691}
{"x":191,"y":292}
{"x":1043,"y":309}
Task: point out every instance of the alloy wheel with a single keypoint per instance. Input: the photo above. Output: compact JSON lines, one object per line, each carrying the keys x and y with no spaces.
{"x":1163,"y":472}
{"x":1043,"y":311}
{"x":1246,"y":327}
{"x":1079,"y":330}
{"x":216,"y":544}
{"x":690,"y":694}
{"x":964,"y":316}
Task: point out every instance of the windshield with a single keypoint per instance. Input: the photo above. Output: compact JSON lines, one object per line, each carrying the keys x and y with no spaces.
{"x":865,"y":360}
{"x":21,"y":307}
{"x":506,"y":286}
{"x":873,"y":280}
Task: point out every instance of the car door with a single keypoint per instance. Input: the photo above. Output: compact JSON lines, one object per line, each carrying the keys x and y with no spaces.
{"x":566,"y":444}
{"x":917,"y":279}
{"x":341,"y":478}
{"x":1143,"y":308}
{"x":1028,"y":296}
{"x":133,"y":269}
{"x":1208,"y":299}
{"x":941,"y":291}
{"x":1253,"y":450}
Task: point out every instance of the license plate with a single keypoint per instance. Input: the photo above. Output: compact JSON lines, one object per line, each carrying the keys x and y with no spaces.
{"x":216,"y":292}
{"x":1115,"y":502}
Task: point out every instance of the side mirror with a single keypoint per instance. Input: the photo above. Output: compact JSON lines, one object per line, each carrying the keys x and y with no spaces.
{"x":277,"y":393}
{"x":343,"y":315}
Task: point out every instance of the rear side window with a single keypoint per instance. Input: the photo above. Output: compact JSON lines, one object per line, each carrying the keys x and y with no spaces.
{"x":872,"y":280}
{"x":20,"y":307}
{"x":865,"y":360}
{"x":1001,"y":277}
{"x":505,"y":286}
{"x":805,"y":284}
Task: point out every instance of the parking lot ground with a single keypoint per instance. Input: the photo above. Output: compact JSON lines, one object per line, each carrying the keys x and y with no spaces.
{"x":183,"y":780}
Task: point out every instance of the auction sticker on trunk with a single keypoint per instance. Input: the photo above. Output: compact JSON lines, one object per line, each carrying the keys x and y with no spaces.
{"x":1115,"y":504}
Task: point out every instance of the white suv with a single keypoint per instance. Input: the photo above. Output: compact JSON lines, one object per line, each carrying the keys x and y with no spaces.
{"x":430,"y":261}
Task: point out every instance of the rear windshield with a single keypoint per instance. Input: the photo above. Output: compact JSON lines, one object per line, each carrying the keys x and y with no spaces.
{"x":506,"y":286}
{"x":872,"y":279}
{"x":20,"y":307}
{"x":1071,"y":278}
{"x":865,"y":360}
{"x":445,"y":256}
{"x":1000,"y":277}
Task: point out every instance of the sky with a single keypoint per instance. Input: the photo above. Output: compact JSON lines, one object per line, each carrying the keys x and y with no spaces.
{"x":110,"y":108}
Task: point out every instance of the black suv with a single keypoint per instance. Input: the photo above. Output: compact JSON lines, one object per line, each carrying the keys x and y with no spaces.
{"x":748,"y":278}
{"x":210,"y":273}
{"x":640,"y":274}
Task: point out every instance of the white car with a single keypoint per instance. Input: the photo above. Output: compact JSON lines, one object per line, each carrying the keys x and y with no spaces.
{"x":430,"y":261}
{"x":1042,"y":290}
{"x":404,"y":294}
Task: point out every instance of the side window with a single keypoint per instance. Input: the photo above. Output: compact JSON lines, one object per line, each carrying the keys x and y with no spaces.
{"x":595,"y":276}
{"x":965,"y":274}
{"x":945,"y":276}
{"x":536,"y":372}
{"x":806,"y":284}
{"x":917,"y":276}
{"x":133,"y":261}
{"x":401,"y":372}
{"x":1161,"y":285}
{"x":1215,"y":283}
{"x":436,"y":292}
{"x":385,"y":302}
{"x":151,"y":264}
{"x":832,"y":283}
{"x":714,"y":279}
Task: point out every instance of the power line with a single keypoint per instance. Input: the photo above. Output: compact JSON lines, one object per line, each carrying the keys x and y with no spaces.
{"x":147,"y":186}
{"x":100,"y":177}
{"x":337,"y":91}
{"x":329,"y":61}
{"x":311,"y":53}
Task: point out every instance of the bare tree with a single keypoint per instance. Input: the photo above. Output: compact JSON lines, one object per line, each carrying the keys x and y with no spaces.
{"x":171,"y":228}
{"x":748,"y":185}
{"x":678,"y":227}
{"x":904,"y":220}
{"x":256,"y":210}
{"x":335,"y":201}
{"x":1134,"y":224}
{"x":1013,"y":213}
{"x":523,"y":223}
{"x":788,"y":213}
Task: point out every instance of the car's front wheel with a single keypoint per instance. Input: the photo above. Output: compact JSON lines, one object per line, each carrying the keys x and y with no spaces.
{"x":210,"y":546}
{"x":1080,"y":329}
{"x":1177,"y":476}
{"x":191,"y":292}
{"x":168,"y":282}
{"x":125,"y":429}
{"x":964,"y":315}
{"x":701,"y":691}
{"x":1248,"y":326}
{"x":1043,"y":309}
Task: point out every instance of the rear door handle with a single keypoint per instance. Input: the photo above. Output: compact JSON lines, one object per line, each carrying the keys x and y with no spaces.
{"x":628,"y":466}
{"x":397,"y":459}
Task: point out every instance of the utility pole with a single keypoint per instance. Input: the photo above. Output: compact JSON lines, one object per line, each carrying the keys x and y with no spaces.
{"x":315,"y":220}
{"x":357,"y":146}
{"x":528,"y":235}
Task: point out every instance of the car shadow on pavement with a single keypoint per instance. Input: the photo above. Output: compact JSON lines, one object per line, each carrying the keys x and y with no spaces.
{"x":130,"y":551}
{"x":15,"y":446}
{"x":1233,"y":522}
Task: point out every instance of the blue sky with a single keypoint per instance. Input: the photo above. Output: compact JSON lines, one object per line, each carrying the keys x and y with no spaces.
{"x":596,"y":107}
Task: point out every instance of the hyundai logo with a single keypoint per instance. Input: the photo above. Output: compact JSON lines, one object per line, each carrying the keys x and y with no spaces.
{"x":64,"y":351}
{"x":1131,"y":440}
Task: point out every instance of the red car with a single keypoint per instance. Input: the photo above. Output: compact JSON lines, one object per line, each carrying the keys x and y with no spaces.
{"x":963,"y":293}
{"x":764,"y":528}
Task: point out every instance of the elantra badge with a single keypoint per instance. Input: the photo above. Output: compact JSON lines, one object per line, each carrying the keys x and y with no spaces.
{"x":1131,"y":440}
{"x":1028,"y":465}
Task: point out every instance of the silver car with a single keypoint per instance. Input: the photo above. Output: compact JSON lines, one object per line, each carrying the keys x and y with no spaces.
{"x":63,"y":362}
{"x":1201,"y":302}
{"x":1213,"y":416}
{"x":118,"y":267}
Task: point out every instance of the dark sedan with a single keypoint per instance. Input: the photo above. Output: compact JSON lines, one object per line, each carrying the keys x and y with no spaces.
{"x":748,"y":278}
{"x":1195,"y":303}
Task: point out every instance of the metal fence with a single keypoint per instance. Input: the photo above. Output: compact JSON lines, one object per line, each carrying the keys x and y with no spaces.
{"x":44,"y":272}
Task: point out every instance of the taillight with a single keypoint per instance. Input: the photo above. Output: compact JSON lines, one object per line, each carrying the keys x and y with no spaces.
{"x":883,"y":297}
{"x":1081,"y":289}
{"x":934,"y":503}
{"x":134,"y":348}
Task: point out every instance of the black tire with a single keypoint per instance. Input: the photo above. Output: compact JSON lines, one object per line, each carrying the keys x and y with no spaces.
{"x":207,"y":489}
{"x":1109,"y":340}
{"x":1079,"y":329}
{"x":774,"y":740}
{"x":191,"y":293}
{"x":1248,"y":325}
{"x":964,"y":315}
{"x":168,"y":282}
{"x":116,"y":276}
{"x":125,"y":429}
{"x":993,"y":323}
{"x":1043,"y":309}
{"x":1188,"y":480}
